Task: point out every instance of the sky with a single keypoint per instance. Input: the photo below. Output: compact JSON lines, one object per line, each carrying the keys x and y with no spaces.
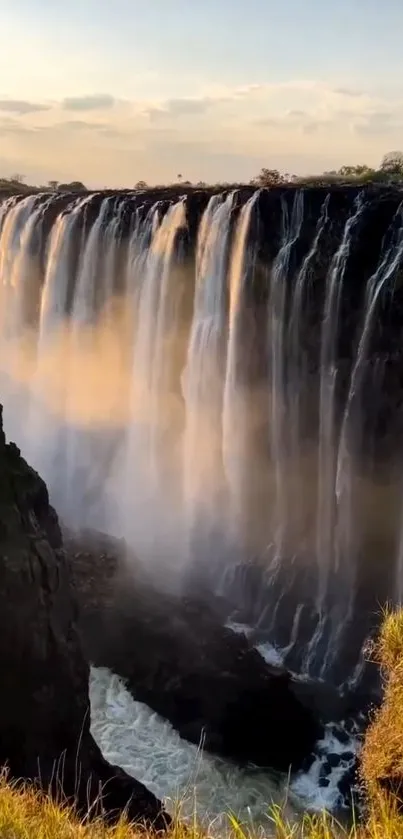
{"x":109,"y":92}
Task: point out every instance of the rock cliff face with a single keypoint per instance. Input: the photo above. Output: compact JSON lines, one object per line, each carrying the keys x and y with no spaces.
{"x":44,"y":704}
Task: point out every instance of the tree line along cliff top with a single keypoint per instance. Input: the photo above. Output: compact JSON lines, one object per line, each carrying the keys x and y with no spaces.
{"x":390,"y":171}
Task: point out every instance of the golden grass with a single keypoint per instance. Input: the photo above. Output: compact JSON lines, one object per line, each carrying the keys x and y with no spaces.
{"x":28,"y":814}
{"x":382,"y":754}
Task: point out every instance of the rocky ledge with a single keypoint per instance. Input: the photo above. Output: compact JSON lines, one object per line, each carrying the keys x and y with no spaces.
{"x":176,"y":656}
{"x":44,"y":702}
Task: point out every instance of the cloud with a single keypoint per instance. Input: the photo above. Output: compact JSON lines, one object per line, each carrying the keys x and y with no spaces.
{"x":292,"y":121}
{"x":311,"y":127}
{"x":103,"y":129}
{"x":174,"y":108}
{"x":21,"y":106}
{"x":296,"y":114}
{"x":197,"y":105}
{"x":80,"y":125}
{"x":94,"y":102}
{"x":12,"y":126}
{"x":347,"y":91}
{"x":180,"y":107}
{"x":379,"y":123}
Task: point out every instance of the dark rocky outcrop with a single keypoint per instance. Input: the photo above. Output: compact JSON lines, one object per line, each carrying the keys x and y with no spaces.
{"x":44,"y":704}
{"x":177,"y":657}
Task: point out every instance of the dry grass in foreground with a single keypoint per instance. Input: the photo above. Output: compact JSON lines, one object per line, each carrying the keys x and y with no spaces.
{"x":27,"y":814}
{"x":382,"y":756}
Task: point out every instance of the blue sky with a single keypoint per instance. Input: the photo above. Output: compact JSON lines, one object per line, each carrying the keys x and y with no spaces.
{"x":110,"y":92}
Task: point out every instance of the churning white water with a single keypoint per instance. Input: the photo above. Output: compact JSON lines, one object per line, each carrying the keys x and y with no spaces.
{"x":134,"y":737}
{"x":147,"y":747}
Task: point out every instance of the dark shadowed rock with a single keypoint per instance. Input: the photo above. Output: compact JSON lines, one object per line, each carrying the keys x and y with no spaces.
{"x":44,"y":704}
{"x":333,"y":760}
{"x":177,"y":657}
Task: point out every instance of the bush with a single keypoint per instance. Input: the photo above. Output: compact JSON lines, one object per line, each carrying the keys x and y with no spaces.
{"x":382,"y":755}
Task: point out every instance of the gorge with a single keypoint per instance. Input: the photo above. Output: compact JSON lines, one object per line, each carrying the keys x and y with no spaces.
{"x":217,"y":377}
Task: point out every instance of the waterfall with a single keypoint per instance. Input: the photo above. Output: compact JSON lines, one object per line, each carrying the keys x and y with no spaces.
{"x":19,"y":292}
{"x":47,"y":436}
{"x":205,"y":367}
{"x":390,"y":262}
{"x":235,"y":404}
{"x":326,"y":554}
{"x":298,"y":373}
{"x":217,"y":378}
{"x":291,"y":229}
{"x":153,"y":402}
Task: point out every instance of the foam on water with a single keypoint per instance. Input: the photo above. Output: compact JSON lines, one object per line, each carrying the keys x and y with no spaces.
{"x":148,"y":748}
{"x":271,"y":654}
{"x":307,"y":786}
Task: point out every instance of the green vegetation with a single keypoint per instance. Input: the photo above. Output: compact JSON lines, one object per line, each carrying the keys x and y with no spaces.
{"x":27,"y":814}
{"x":389,"y":171}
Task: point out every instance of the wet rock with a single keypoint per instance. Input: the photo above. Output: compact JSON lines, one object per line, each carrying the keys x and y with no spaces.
{"x":333,"y":760}
{"x":342,"y":736}
{"x":207,"y":680}
{"x":44,"y":703}
{"x":347,"y":783}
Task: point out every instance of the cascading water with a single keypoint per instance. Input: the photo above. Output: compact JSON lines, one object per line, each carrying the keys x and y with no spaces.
{"x":218,"y":380}
{"x":298,"y":369}
{"x":327,"y":551}
{"x":235,"y":407}
{"x":291,"y":229}
{"x":347,"y":487}
{"x":204,"y":372}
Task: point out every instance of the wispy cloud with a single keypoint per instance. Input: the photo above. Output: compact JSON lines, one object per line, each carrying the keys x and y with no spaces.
{"x":173,"y":108}
{"x":348,"y":91}
{"x":80,"y":125}
{"x":379,"y":123}
{"x":92,"y":102}
{"x":13,"y":126}
{"x":21,"y":106}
